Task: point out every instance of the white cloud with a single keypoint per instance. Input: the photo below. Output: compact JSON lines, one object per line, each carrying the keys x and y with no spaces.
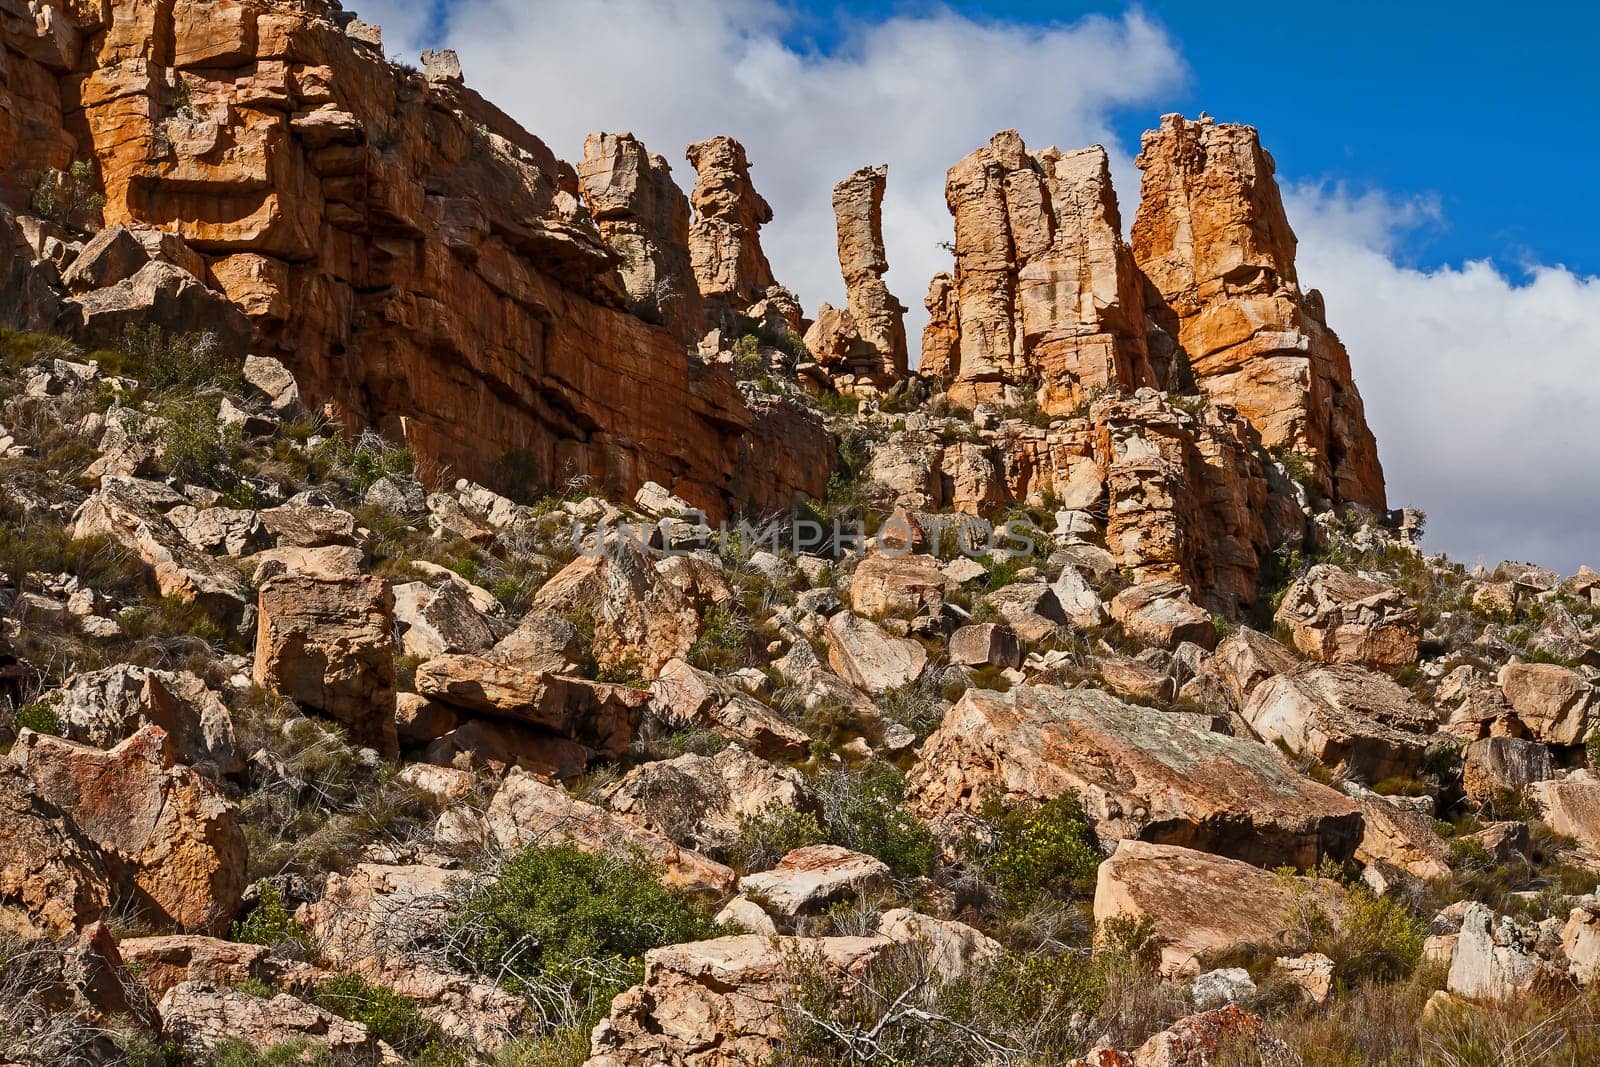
{"x":916,"y":91}
{"x":1482,"y":389}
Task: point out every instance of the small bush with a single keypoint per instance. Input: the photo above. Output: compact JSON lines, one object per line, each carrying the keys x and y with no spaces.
{"x":40,"y":717}
{"x":766,"y":838}
{"x":269,"y":923}
{"x":301,"y":1052}
{"x":569,"y":929}
{"x":386,"y":1014}
{"x":182,"y":361}
{"x":1045,"y":850}
{"x":862,"y":811}
{"x":198,"y":448}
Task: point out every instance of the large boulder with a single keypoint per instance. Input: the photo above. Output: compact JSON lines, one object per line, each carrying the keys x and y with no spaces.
{"x":1571,"y":806}
{"x":1395,"y":837}
{"x":683,"y":697}
{"x":641,"y":620}
{"x":326,"y":641}
{"x":1029,"y":608}
{"x":130,"y":512}
{"x":1350,"y":719}
{"x":102,"y":708}
{"x":1246,"y":658}
{"x":439,"y":618}
{"x":171,"y":840}
{"x":526,"y":811}
{"x":1339,"y":617}
{"x":1493,"y":765}
{"x":699,"y":801}
{"x":52,"y":878}
{"x":1495,"y":958}
{"x":382,"y":921}
{"x":811,"y":878}
{"x":864,"y":655}
{"x":897,"y":585}
{"x":163,"y":961}
{"x":601,"y":716}
{"x":158,"y":294}
{"x":201,"y":1016}
{"x":1162,"y":614}
{"x":1202,"y":907}
{"x":1155,"y":776}
{"x":1555,"y":704}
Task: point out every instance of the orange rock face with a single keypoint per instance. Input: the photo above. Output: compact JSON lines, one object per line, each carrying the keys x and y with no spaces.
{"x":876,"y":342}
{"x":725,"y":238}
{"x":1214,"y":243}
{"x":423,"y":264}
{"x":1045,"y":293}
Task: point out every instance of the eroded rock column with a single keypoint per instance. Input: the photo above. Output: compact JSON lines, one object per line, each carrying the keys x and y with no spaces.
{"x":725,"y":238}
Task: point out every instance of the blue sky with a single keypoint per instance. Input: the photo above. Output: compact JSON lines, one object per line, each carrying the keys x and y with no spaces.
{"x":1489,"y":107}
{"x":1438,"y":162}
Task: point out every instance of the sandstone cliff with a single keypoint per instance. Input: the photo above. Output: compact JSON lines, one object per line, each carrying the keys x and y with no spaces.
{"x":424,"y":265}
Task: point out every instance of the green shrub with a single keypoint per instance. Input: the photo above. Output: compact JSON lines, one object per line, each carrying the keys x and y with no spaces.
{"x":386,"y":1014}
{"x":269,"y":922}
{"x":68,"y":198}
{"x":569,"y":929}
{"x":180,"y":361}
{"x":197,"y":447}
{"x":1047,"y":849}
{"x":766,"y":838}
{"x":298,"y":1053}
{"x":723,"y":641}
{"x":40,"y":717}
{"x":747,"y":360}
{"x":567,"y":1047}
{"x":862,"y":811}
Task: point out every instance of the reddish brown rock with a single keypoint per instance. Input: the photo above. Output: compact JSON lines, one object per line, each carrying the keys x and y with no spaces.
{"x":1155,"y":776}
{"x":52,"y":878}
{"x":1339,"y":617}
{"x":725,"y":238}
{"x":1214,"y":244}
{"x":870,"y":338}
{"x":644,"y":218}
{"x":1045,"y":292}
{"x":171,"y":840}
{"x":423,"y":264}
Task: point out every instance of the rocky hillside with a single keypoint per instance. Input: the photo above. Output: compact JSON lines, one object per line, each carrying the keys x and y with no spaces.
{"x":458,"y":607}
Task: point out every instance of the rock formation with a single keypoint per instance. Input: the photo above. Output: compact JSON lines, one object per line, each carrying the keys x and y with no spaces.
{"x":869,"y":339}
{"x":1044,"y":295}
{"x":422,"y":264}
{"x":725,"y":239}
{"x":644,"y":218}
{"x":1215,"y":247}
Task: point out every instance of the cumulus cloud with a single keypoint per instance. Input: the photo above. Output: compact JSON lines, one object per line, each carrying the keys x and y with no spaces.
{"x":916,"y":91}
{"x":1482,"y":387}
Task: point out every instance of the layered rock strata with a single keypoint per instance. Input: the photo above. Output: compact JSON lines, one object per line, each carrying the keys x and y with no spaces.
{"x":868,"y":339}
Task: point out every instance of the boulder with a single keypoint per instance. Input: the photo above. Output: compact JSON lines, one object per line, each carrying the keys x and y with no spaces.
{"x":524,"y":810}
{"x":864,"y":655}
{"x":219,"y":531}
{"x":897,"y":585}
{"x":163,"y":962}
{"x":542,"y":642}
{"x":308,"y":525}
{"x":722,"y":1002}
{"x":53,"y":880}
{"x":1555,"y":704}
{"x":641,"y":620}
{"x":102,"y":708}
{"x":1029,"y":608}
{"x":1493,"y":765}
{"x":1495,"y":958}
{"x":1571,"y":807}
{"x":1156,"y":776}
{"x":1162,"y":614}
{"x":985,"y":645}
{"x":683,"y":697}
{"x":158,"y":294}
{"x":809,"y":879}
{"x":1339,"y":617}
{"x":438,"y":619}
{"x":171,"y":841}
{"x":698,"y":801}
{"x":1401,"y":839}
{"x":327,"y":643}
{"x":601,"y":716}
{"x":200,"y":1016}
{"x":1078,"y":600}
{"x":1246,"y":658}
{"x":1352,"y":720}
{"x":129,"y":512}
{"x":1196,"y":1040}
{"x":1202,"y":907}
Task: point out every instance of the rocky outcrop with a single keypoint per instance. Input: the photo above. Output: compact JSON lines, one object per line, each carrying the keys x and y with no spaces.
{"x":52,"y":879}
{"x":867,"y":341}
{"x":1353,"y":721}
{"x":702,"y":801}
{"x":1202,"y":906}
{"x":644,"y":217}
{"x":1045,"y":294}
{"x":1214,"y":244}
{"x":811,"y":878}
{"x":170,"y":839}
{"x":1140,"y":774}
{"x":203,"y":1016}
{"x":1338,"y":617}
{"x":102,"y":708}
{"x":423,"y":264}
{"x":730,"y":268}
